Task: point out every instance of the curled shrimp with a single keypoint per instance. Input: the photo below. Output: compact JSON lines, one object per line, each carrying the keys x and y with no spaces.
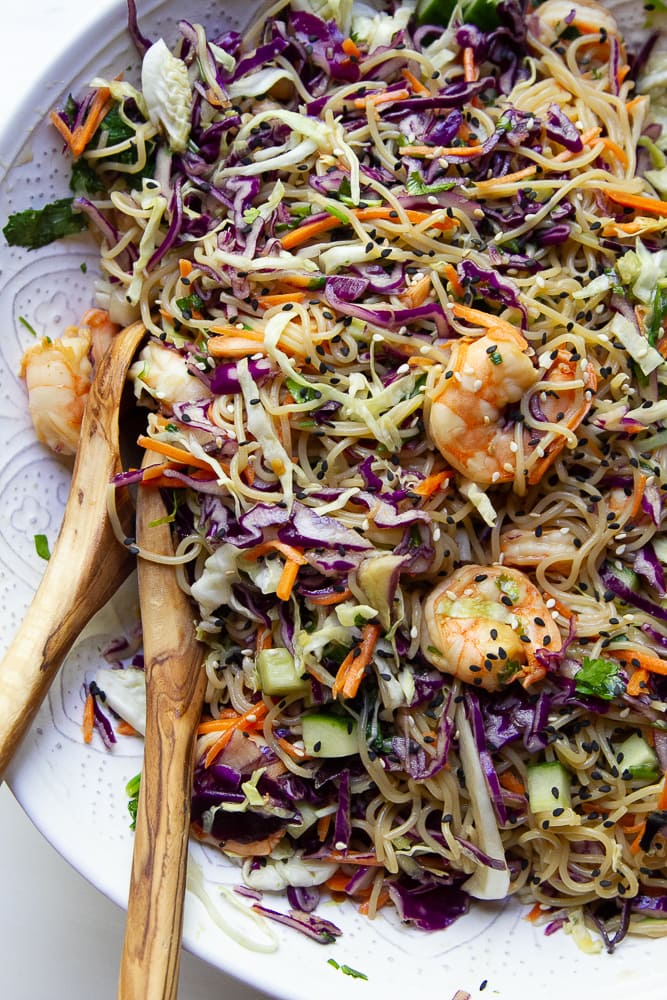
{"x":469,"y":414}
{"x":586,"y":16}
{"x":483,"y":625}
{"x":551,"y":550}
{"x":58,"y":374}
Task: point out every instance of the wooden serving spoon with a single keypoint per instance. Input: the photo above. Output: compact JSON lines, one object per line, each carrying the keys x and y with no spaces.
{"x":87,"y":564}
{"x":175,"y":688}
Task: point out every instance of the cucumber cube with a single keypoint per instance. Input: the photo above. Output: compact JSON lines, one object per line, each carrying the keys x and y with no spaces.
{"x":638,"y":758}
{"x":548,"y":787}
{"x":278,"y":673}
{"x":329,"y":735}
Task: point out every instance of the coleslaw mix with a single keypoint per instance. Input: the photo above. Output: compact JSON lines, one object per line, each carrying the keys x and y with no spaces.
{"x":403,"y":273}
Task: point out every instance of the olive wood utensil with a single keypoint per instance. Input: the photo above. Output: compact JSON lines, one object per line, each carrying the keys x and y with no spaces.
{"x":175,"y":688}
{"x":87,"y":564}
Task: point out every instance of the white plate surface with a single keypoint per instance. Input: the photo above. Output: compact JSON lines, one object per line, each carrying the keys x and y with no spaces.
{"x":75,"y":794}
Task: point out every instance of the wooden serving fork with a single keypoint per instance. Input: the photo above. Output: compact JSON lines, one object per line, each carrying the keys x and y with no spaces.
{"x":175,"y":689}
{"x":87,"y":565}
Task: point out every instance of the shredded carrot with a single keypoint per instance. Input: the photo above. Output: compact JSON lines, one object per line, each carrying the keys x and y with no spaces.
{"x":296,"y":753}
{"x":622,"y":73}
{"x":156,"y":471}
{"x":264,"y":639}
{"x":417,"y":361}
{"x":171,"y":451}
{"x":661,"y":346}
{"x":338,"y":882}
{"x":274,"y":545}
{"x":470,"y":72}
{"x":384,"y":97}
{"x":641,"y":660}
{"x":88,"y":719}
{"x":250,"y":720}
{"x":494,"y":323}
{"x":431,"y":484}
{"x":323,"y":824}
{"x":309,"y":229}
{"x":235,"y":347}
{"x":350,"y":48}
{"x":417,"y":293}
{"x":98,"y":110}
{"x":494,"y":182}
{"x":232,"y":331}
{"x":349,"y":858}
{"x":637,"y":201}
{"x":184,"y":267}
{"x":435,"y":152}
{"x":285,"y":298}
{"x":635,"y":847}
{"x":642,"y":479}
{"x":452,"y":276}
{"x":631,"y":105}
{"x":638,"y":682}
{"x":125,"y":729}
{"x":512,"y":783}
{"x":417,"y":86}
{"x":535,"y":913}
{"x":287,"y":580}
{"x":382,"y":900}
{"x":353,"y":666}
{"x":328,"y":599}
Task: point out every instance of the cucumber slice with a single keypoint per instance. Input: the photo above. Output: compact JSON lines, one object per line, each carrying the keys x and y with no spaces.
{"x":278,"y":674}
{"x":637,"y":757}
{"x":329,"y":735}
{"x":548,"y":787}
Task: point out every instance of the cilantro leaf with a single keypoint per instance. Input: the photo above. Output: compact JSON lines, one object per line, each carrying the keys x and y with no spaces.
{"x":416,"y":184}
{"x":42,"y":547}
{"x":36,"y":227}
{"x":598,"y":678}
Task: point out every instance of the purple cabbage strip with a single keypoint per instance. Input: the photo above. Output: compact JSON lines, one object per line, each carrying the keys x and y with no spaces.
{"x":317,"y":928}
{"x":142,"y":43}
{"x":304,"y":898}
{"x":343,"y":826}
{"x":474,"y":714}
{"x":618,"y":587}
{"x":648,"y":566}
{"x":559,"y":128}
{"x":430,"y":907}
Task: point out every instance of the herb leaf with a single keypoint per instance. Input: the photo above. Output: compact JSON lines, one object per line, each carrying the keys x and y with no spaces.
{"x":598,"y":677}
{"x":36,"y":227}
{"x":42,"y":547}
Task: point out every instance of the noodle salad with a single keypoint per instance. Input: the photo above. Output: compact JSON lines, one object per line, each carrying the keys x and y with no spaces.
{"x":404,"y":280}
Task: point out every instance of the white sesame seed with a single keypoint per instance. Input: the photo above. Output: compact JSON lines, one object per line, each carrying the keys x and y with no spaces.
{"x":551,"y":603}
{"x":414,"y":632}
{"x":508,"y":467}
{"x":495,"y":477}
{"x":436,"y":534}
{"x":514,"y":446}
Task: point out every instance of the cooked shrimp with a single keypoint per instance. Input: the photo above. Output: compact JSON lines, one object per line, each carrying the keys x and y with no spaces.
{"x":102,"y":331}
{"x":468,"y":419}
{"x":57,"y":374}
{"x":552,"y":549}
{"x":587,"y":16}
{"x":163,"y":373}
{"x":465,"y":418}
{"x":483,"y":625}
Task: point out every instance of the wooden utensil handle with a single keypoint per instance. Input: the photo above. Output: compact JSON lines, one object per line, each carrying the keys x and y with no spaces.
{"x":175,"y":687}
{"x":58,"y":614}
{"x":88,"y":564}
